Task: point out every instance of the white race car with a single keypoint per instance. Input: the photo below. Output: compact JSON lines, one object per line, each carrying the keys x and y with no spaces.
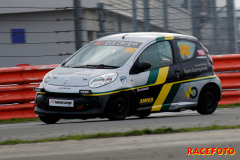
{"x":130,"y":74}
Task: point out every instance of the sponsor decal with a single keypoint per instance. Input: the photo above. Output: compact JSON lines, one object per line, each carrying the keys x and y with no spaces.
{"x":65,"y":73}
{"x":84,"y":73}
{"x":118,"y":43}
{"x":85,"y":91}
{"x":200,"y":65}
{"x":142,"y":89}
{"x":201,"y":57}
{"x":201,"y":52}
{"x":197,"y":68}
{"x":66,"y":88}
{"x":98,"y":43}
{"x":131,"y":50}
{"x":191,"y":93}
{"x":184,"y":50}
{"x":123,"y":79}
{"x":60,"y":103}
{"x":211,"y":151}
{"x":146,"y":100}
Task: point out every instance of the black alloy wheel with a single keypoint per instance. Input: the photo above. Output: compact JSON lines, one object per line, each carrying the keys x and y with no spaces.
{"x":119,"y":107}
{"x":208,"y":100}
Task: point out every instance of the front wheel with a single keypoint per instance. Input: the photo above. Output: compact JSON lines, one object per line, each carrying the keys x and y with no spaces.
{"x":118,"y":107}
{"x":208,"y":100}
{"x":49,"y":119}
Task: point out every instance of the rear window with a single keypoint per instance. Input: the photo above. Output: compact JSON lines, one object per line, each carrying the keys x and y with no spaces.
{"x":187,"y":49}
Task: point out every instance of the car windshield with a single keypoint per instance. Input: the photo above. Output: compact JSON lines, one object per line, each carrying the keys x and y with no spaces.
{"x":103,"y":54}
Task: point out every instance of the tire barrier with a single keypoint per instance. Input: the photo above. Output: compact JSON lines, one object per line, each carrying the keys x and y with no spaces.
{"x":25,"y":110}
{"x":227,"y":68}
{"x":16,"y":90}
{"x":17,"y":83}
{"x":227,"y":62}
{"x":24,"y":74}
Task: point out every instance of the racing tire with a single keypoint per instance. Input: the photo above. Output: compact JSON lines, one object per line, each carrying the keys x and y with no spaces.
{"x":208,"y":100}
{"x":119,"y":107}
{"x":49,"y":119}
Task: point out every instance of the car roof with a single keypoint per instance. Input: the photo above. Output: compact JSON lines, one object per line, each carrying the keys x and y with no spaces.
{"x":145,"y":37}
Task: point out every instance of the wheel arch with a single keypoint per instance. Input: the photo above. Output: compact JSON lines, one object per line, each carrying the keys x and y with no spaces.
{"x":132,"y":97}
{"x":214,"y":85}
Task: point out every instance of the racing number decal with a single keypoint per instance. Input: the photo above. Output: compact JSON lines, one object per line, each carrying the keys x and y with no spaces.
{"x":184,"y":50}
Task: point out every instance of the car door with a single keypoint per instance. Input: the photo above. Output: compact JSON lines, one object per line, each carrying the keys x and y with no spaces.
{"x":193,"y":68}
{"x":152,"y":84}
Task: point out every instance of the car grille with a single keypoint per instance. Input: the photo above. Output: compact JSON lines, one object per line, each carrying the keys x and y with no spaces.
{"x":81,"y":103}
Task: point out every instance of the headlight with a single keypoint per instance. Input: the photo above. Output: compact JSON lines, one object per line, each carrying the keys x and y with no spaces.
{"x":47,"y":77}
{"x":102,"y":80}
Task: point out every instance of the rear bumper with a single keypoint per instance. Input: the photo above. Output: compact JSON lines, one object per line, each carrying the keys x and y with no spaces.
{"x":84,"y":106}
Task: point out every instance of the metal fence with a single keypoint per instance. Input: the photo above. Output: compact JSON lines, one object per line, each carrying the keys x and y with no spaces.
{"x":213,"y":22}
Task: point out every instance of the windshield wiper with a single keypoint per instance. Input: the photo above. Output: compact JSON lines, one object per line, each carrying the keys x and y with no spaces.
{"x":80,"y":66}
{"x":102,"y":66}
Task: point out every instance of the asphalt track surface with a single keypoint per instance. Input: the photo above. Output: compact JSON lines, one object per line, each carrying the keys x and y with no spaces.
{"x":186,"y":119}
{"x":149,"y":147}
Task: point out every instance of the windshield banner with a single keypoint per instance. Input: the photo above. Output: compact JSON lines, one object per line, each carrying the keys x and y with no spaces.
{"x":117,"y":43}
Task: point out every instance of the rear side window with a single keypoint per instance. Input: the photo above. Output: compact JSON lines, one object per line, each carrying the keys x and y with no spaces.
{"x":158,"y":55}
{"x":187,"y":49}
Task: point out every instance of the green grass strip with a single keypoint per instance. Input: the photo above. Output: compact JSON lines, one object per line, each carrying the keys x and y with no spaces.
{"x":121,"y":134}
{"x":229,"y":105}
{"x":18,"y":120}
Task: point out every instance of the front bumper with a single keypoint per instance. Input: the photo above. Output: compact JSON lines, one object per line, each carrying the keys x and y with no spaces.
{"x":84,"y":106}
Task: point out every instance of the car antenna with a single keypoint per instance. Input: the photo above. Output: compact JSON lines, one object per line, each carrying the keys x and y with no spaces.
{"x":124,"y":36}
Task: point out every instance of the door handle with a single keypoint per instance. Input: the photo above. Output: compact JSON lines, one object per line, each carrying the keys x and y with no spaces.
{"x":177,"y":72}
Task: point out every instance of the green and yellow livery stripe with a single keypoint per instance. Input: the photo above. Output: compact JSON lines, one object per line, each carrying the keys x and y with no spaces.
{"x":169,"y":91}
{"x":158,"y":76}
{"x":161,"y":97}
{"x":152,"y":81}
{"x":162,"y":75}
{"x":164,"y":38}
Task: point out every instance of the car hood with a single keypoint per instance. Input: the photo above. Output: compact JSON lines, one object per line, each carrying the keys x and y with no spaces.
{"x":75,"y":77}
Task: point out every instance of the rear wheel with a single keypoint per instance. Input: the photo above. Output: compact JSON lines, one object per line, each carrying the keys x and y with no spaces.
{"x":208,"y":100}
{"x":49,"y":119}
{"x":118,"y":107}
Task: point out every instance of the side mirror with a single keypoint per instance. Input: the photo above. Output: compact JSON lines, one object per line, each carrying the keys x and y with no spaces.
{"x":142,"y":66}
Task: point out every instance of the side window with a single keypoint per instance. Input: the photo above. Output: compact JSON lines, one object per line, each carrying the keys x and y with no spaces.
{"x":187,"y":49}
{"x":158,"y":54}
